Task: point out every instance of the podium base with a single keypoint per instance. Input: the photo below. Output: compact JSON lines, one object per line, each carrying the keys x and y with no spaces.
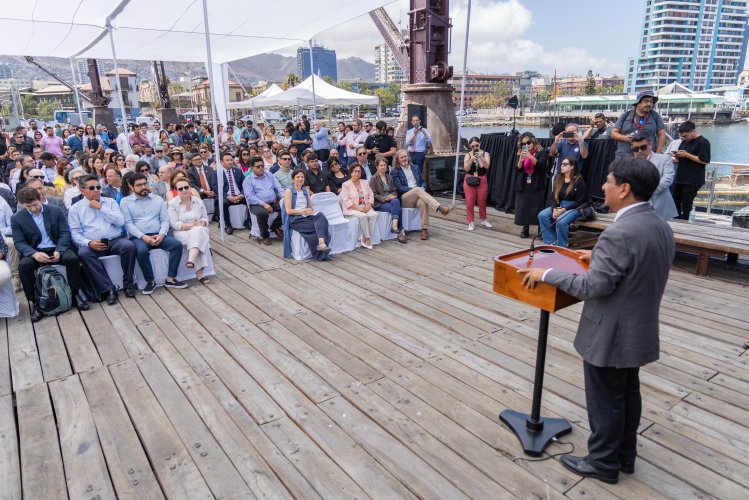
{"x":534,"y":441}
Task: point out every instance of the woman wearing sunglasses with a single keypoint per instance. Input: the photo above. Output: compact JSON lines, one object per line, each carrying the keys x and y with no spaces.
{"x":173,"y":193}
{"x":567,"y":195}
{"x":189,"y":221}
{"x":530,"y":182}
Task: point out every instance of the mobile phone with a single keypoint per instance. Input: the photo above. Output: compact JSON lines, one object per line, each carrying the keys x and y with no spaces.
{"x":105,"y":241}
{"x":568,"y":135}
{"x":525,"y":147}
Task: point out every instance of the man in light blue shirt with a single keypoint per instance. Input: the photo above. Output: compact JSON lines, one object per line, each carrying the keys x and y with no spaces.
{"x":96,"y":227}
{"x":320,"y":141}
{"x":417,"y":139}
{"x":263,"y":193}
{"x":147,"y":223}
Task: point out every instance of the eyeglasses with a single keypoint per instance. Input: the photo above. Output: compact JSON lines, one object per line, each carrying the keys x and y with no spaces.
{"x":524,"y":143}
{"x":286,"y":158}
{"x":120,"y":159}
{"x":361,"y":154}
{"x":140,"y":184}
{"x":636,"y":149}
{"x":37,"y":176}
{"x":566,"y":163}
{"x":93,"y":188}
{"x":144,"y":169}
{"x":245,"y":154}
{"x":183,"y":188}
{"x":76,"y":178}
{"x":259,"y":165}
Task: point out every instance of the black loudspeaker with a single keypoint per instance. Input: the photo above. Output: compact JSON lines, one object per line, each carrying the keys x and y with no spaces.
{"x":513,"y":102}
{"x":417,"y":110}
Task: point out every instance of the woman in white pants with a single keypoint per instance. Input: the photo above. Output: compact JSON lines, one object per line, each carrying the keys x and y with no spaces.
{"x":357,"y":200}
{"x":189,"y":220}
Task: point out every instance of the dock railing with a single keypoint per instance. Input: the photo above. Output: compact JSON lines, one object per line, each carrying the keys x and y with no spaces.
{"x":726,"y":188}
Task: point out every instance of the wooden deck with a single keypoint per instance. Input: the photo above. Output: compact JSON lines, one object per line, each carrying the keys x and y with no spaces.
{"x":378,"y":375}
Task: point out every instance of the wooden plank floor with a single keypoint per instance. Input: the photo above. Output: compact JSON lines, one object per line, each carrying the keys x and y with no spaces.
{"x":380,"y":374}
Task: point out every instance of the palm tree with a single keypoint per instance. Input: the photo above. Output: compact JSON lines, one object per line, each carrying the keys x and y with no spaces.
{"x":291,"y":80}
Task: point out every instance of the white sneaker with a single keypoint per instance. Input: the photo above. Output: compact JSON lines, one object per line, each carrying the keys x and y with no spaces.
{"x":486,"y":223}
{"x":470,"y":226}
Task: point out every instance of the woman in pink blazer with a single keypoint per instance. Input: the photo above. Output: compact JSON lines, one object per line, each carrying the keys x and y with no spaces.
{"x":357,"y":200}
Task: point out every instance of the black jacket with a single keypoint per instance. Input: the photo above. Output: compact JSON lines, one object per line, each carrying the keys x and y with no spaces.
{"x":27,"y":237}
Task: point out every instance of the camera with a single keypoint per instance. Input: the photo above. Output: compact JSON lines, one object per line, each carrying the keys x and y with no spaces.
{"x":568,"y":135}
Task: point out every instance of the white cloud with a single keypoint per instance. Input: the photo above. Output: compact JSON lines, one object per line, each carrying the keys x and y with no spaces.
{"x":501,"y":41}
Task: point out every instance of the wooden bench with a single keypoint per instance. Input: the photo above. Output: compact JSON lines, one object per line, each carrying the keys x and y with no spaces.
{"x":704,"y":240}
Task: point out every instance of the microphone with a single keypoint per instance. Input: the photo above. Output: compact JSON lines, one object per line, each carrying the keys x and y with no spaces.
{"x":533,"y":241}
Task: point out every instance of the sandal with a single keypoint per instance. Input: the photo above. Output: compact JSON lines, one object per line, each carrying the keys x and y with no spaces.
{"x":190,"y":264}
{"x":204,"y":280}
{"x":402,"y":238}
{"x":394,"y":229}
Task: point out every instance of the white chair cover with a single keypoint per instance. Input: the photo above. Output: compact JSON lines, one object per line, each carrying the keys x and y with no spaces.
{"x":209,"y":207}
{"x":237,"y":216}
{"x":411,"y":219}
{"x":8,"y":301}
{"x":299,"y":248}
{"x":341,"y":239}
{"x":160,"y":264}
{"x":382,"y":228}
{"x":255,"y":231}
{"x":113,"y":266}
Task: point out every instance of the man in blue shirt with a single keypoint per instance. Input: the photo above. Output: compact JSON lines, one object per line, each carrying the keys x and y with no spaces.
{"x":417,"y":139}
{"x":42,"y":237}
{"x":96,"y":227}
{"x":263,"y":193}
{"x":75,"y":142}
{"x":147,"y":223}
{"x":569,"y":144}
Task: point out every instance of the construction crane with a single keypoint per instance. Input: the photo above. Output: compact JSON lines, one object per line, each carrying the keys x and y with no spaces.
{"x":393,"y":39}
{"x":89,"y":97}
{"x":162,"y":83}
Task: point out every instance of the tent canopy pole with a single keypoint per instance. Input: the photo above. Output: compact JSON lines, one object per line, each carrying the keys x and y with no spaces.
{"x":462,"y":101}
{"x":312,"y":72}
{"x":75,"y":93}
{"x":117,"y":79}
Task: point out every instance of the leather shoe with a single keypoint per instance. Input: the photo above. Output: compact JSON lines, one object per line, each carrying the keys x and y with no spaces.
{"x":525,"y":232}
{"x":36,"y":315}
{"x":129,"y":293}
{"x":627,"y":468}
{"x":424,"y":234}
{"x":266,"y":241}
{"x":112,"y":297}
{"x":582,"y":467}
{"x":279,"y":232}
{"x":83,"y":305}
{"x":228,"y":230}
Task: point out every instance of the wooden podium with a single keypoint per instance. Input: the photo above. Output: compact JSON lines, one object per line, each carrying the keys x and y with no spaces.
{"x":535,"y":432}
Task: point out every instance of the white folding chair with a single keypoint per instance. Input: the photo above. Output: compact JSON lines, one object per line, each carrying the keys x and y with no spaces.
{"x":8,"y":301}
{"x":237,"y":216}
{"x":341,"y":239}
{"x":411,"y":219}
{"x":208,"y":203}
{"x":382,"y":228}
{"x":113,"y":266}
{"x":255,"y":231}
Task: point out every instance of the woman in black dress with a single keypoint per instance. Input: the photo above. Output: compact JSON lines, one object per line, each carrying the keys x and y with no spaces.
{"x":530,"y":182}
{"x":336,"y":176}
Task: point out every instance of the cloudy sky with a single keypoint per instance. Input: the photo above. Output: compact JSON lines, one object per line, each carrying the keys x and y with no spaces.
{"x":512,"y":35}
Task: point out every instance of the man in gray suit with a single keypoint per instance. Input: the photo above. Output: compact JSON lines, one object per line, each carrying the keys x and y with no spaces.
{"x":46,"y":200}
{"x":618,"y":331}
{"x":662,"y":201}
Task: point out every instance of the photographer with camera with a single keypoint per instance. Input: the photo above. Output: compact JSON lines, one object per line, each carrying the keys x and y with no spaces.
{"x":476,"y":164}
{"x":640,"y":119}
{"x":379,"y":145}
{"x":569,"y":144}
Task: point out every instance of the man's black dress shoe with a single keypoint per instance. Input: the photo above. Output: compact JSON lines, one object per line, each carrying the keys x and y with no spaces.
{"x":581,"y":466}
{"x":129,"y":293}
{"x":112,"y":298}
{"x":229,"y":229}
{"x":82,"y":305}
{"x":627,"y":468}
{"x":36,"y":315}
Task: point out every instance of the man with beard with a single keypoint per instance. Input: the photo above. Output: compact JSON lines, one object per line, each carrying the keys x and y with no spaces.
{"x":641,"y":119}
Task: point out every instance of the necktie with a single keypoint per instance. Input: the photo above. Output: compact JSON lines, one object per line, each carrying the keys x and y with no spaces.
{"x":203,"y":183}
{"x":231,"y":182}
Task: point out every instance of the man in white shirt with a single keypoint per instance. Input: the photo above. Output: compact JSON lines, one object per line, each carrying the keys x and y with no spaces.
{"x":417,"y":139}
{"x":355,"y":139}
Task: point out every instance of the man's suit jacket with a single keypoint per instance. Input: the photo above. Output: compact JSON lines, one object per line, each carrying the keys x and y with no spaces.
{"x":9,"y":197}
{"x":622,"y":290}
{"x":109,"y":191}
{"x":662,"y":201}
{"x":26,"y":235}
{"x":238,"y":180}
{"x":194,"y":177}
{"x":54,"y":201}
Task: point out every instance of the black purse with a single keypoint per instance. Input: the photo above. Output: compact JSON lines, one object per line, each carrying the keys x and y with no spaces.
{"x":473,"y":181}
{"x":586,"y":213}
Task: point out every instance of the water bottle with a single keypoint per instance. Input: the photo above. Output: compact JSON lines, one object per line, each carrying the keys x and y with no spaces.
{"x":692,"y":215}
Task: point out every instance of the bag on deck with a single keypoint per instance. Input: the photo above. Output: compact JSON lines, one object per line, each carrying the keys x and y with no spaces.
{"x":53,"y":295}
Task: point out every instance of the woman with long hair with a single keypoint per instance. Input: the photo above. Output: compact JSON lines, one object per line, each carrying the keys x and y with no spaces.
{"x":386,"y":197}
{"x":243,"y":161}
{"x":60,"y":180}
{"x":91,"y":143}
{"x":476,"y":163}
{"x":567,"y":195}
{"x":173,"y":193}
{"x":357,"y":201}
{"x":65,"y":136}
{"x":530,"y":182}
{"x":299,"y":215}
{"x":269,"y":135}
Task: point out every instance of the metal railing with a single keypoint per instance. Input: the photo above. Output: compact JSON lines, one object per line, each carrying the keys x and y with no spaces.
{"x":726,"y":188}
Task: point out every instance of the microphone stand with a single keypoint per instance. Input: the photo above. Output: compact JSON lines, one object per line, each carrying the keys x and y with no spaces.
{"x":533,"y":241}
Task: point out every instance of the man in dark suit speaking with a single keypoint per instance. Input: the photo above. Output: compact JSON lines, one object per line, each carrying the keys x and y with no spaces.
{"x":618,"y":331}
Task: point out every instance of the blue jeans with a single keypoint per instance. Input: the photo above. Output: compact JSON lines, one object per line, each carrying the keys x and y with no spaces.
{"x":393,"y":207}
{"x":562,"y":226}
{"x":418,"y":159}
{"x":168,"y":244}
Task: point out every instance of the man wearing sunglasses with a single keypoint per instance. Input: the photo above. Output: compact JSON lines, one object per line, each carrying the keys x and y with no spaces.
{"x":147,"y":223}
{"x":54,"y":201}
{"x":96,"y":227}
{"x":661,"y":200}
{"x":75,"y":141}
{"x":23,"y":143}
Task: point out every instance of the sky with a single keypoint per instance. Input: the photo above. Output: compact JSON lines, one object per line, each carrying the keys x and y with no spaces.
{"x":513,"y":35}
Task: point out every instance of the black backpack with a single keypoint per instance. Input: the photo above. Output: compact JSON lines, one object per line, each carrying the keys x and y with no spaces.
{"x":53,"y":295}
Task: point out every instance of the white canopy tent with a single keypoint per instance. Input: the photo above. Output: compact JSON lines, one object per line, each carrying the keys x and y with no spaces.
{"x":319,"y":93}
{"x":211,"y":31}
{"x":271,"y":91}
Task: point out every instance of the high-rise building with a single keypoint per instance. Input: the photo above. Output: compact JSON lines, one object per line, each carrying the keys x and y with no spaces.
{"x":324,"y":62}
{"x":387,"y":69}
{"x":698,"y":43}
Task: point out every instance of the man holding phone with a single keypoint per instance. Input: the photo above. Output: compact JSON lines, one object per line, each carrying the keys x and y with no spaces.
{"x":569,"y":144}
{"x":417,"y":139}
{"x":96,"y":227}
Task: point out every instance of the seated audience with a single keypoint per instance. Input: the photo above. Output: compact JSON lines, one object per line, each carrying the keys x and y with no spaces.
{"x":162,"y":186}
{"x":189,"y":221}
{"x":5,"y":272}
{"x":661,"y":200}
{"x":317,"y":180}
{"x":96,"y":227}
{"x":10,"y":253}
{"x":73,"y":191}
{"x":386,"y":197}
{"x":233,"y":188}
{"x":173,"y":178}
{"x":283,"y":174}
{"x":42,"y":237}
{"x":357,"y":201}
{"x":300,"y":216}
{"x":567,"y":195}
{"x":147,"y":223}
{"x":200,"y":177}
{"x":264,"y":194}
{"x":336,"y":176}
{"x":47,"y":200}
{"x":113,"y":187}
{"x":411,"y":189}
